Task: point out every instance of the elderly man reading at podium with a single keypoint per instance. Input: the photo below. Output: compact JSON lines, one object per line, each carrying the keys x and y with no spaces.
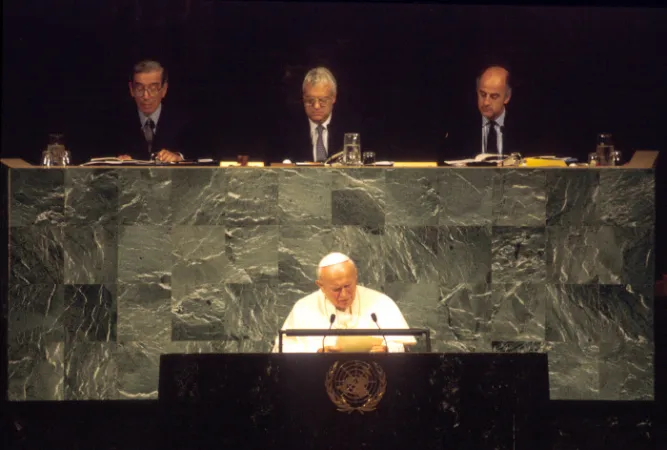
{"x":341,"y":304}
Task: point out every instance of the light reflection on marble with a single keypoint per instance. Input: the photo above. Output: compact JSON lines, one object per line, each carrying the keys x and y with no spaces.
{"x":91,"y":197}
{"x":412,"y":197}
{"x":304,"y":197}
{"x":90,"y":254}
{"x":518,"y":255}
{"x":627,"y":198}
{"x":111,"y":268}
{"x":36,"y":255}
{"x":144,"y":196}
{"x":466,"y":197}
{"x":38,"y":197}
{"x":519,"y":197}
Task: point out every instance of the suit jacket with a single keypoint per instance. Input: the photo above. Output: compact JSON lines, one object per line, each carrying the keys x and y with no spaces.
{"x":293,"y":140}
{"x":173,"y":132}
{"x":465,"y":140}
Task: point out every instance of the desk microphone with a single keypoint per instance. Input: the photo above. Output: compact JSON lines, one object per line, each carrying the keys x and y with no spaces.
{"x":375,"y":319}
{"x":332,"y":319}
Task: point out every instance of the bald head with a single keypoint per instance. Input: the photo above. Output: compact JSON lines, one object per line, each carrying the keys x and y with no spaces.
{"x":493,"y":91}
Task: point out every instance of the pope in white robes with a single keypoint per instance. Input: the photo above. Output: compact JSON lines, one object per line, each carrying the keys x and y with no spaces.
{"x":353,"y":307}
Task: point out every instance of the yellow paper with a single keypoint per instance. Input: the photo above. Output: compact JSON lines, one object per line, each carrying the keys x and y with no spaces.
{"x":236,"y":164}
{"x":415,"y":164}
{"x":358,"y":344}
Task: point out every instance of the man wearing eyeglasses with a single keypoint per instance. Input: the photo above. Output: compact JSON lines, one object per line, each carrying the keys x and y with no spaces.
{"x":156,"y":132}
{"x":319,"y":136}
{"x":319,"y":97}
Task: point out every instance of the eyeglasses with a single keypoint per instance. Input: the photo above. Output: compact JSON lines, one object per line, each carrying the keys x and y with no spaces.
{"x":324,"y":101}
{"x":152,"y":90}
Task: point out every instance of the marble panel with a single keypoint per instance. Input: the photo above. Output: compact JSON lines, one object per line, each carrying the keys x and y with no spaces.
{"x":573,"y":371}
{"x":627,"y":370}
{"x":35,"y":370}
{"x":519,"y":312}
{"x":572,"y":197}
{"x":518,"y":255}
{"x":144,"y":196}
{"x":412,"y":254}
{"x":304,"y":197}
{"x":519,"y":197}
{"x":36,"y":255}
{"x":144,"y":312}
{"x":90,"y":254}
{"x":465,"y":197}
{"x":91,"y":372}
{"x":301,"y":247}
{"x":91,"y":197}
{"x":37,"y":197}
{"x":627,"y":198}
{"x":464,"y":255}
{"x":199,"y":196}
{"x":412,"y":197}
{"x":90,"y":312}
{"x":145,"y":254}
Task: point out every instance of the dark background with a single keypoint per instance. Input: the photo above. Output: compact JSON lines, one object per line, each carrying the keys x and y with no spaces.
{"x":408,"y":70}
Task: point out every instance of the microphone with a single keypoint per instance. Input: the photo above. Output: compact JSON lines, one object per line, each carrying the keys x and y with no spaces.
{"x":375,"y":319}
{"x":332,"y":319}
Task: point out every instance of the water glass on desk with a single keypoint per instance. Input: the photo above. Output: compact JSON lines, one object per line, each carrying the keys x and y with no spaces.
{"x":605,"y":146}
{"x":352,"y":149}
{"x":56,"y":154}
{"x":368,"y":158}
{"x":593,"y":159}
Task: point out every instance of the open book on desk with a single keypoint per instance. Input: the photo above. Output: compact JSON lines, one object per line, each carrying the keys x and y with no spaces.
{"x":114,"y":160}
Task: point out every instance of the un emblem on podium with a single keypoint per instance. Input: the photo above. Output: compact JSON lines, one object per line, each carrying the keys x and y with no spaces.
{"x":356,"y":385}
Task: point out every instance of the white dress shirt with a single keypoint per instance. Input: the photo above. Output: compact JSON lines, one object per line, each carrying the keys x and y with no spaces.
{"x":314,"y":311}
{"x":325,"y":135}
{"x":155,"y":115}
{"x":500,"y":122}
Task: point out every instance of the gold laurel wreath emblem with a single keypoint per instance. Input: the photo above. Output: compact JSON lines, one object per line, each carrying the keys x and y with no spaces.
{"x":355,"y":385}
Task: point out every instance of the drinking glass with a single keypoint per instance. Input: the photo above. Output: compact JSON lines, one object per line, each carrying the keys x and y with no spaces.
{"x":352,"y":149}
{"x":56,"y":154}
{"x":605,"y":145}
{"x":369,"y":158}
{"x":615,"y":158}
{"x":593,"y":159}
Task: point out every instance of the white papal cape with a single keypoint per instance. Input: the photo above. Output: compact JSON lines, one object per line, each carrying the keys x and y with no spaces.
{"x":314,"y":311}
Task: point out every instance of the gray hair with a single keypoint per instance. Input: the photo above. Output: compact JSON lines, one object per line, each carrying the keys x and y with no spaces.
{"x":320,"y":75}
{"x":148,"y":65}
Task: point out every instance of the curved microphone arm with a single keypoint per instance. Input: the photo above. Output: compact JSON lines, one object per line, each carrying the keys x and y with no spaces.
{"x":334,"y":157}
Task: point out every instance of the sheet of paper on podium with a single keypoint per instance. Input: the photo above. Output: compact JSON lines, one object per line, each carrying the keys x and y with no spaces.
{"x":358,"y":344}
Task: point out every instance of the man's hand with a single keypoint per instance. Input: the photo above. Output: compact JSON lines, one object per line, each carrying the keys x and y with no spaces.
{"x":329,"y":349}
{"x":124,"y":157}
{"x":378,"y":349}
{"x":165,"y":155}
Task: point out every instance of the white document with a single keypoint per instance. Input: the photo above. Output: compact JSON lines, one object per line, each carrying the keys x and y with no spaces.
{"x":482,"y":157}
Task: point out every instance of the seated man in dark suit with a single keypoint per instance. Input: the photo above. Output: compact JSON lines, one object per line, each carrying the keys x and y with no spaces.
{"x":494,"y":134}
{"x":323,"y":135}
{"x":156,"y":131}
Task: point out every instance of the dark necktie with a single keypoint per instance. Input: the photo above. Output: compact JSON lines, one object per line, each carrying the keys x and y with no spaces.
{"x":320,"y":150}
{"x":149,"y":133}
{"x":492,"y":139}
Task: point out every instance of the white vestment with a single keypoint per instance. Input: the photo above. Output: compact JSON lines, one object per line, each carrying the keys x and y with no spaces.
{"x":314,"y":311}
